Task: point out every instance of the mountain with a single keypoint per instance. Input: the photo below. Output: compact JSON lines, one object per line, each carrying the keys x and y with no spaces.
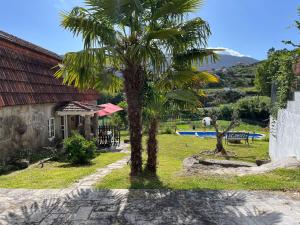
{"x":228,"y":61}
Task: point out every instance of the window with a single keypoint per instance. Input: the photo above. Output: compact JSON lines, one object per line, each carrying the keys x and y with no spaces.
{"x":51,"y":128}
{"x":62,"y":126}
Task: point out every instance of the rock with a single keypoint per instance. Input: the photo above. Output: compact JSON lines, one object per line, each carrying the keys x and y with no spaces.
{"x":196,"y":160}
{"x":260,"y":162}
{"x":22,"y":163}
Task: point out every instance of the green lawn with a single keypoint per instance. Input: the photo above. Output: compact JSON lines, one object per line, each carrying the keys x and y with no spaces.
{"x":55,"y":174}
{"x":174,"y":148}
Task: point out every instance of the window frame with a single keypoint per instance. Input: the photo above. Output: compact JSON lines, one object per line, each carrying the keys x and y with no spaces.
{"x":51,"y":128}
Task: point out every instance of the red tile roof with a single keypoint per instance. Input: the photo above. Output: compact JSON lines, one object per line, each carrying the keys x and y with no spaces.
{"x":26,"y":75}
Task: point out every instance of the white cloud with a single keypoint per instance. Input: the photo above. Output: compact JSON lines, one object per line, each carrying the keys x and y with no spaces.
{"x":229,"y":51}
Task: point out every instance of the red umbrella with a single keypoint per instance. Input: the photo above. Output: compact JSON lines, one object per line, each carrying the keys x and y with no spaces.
{"x":108,"y":109}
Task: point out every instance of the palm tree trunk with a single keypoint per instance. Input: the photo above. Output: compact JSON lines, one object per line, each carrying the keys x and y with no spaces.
{"x":134,"y":82}
{"x":152,"y":147}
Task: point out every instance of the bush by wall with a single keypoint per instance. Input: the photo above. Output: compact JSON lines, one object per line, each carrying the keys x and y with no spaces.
{"x":79,"y":150}
{"x":255,"y":108}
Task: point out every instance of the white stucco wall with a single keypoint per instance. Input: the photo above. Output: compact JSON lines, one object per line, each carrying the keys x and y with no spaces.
{"x":285,"y":133}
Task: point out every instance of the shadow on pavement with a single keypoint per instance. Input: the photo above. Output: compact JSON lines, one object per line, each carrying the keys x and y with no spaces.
{"x":91,"y":207}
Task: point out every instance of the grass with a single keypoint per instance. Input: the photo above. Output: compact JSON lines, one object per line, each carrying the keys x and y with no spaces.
{"x":55,"y":174}
{"x":174,"y":148}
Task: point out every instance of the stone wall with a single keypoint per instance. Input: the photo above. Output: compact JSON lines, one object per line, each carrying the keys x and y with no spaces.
{"x":25,"y":127}
{"x":285,"y":132}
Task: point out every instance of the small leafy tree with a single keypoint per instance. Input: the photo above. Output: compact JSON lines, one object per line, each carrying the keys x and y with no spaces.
{"x":265,"y":71}
{"x":277,"y":69}
{"x":79,"y":150}
{"x":221,"y":134}
{"x":255,"y":108}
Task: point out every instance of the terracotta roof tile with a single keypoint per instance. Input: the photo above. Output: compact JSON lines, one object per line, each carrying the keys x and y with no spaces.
{"x":26,"y":44}
{"x":27,"y":75}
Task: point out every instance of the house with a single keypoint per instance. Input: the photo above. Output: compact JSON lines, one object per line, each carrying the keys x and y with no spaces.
{"x":35,"y":107}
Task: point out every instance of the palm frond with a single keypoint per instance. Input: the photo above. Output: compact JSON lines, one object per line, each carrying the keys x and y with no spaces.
{"x":198,"y":56}
{"x":151,"y":56}
{"x":175,"y":8}
{"x":186,"y":78}
{"x":118,"y":11}
{"x":81,"y":69}
{"x":109,"y":82}
{"x":187,"y":96}
{"x":206,"y":77}
{"x":195,"y":33}
{"x":163,"y":34}
{"x":95,"y":30}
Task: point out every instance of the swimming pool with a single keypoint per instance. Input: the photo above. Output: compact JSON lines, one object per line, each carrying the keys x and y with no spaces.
{"x":212,"y":134}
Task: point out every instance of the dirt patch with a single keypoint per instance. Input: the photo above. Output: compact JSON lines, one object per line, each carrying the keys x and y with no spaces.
{"x":196,"y":165}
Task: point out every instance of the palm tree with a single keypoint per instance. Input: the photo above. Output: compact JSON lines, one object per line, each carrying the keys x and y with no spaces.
{"x":174,"y":90}
{"x":130,"y":37}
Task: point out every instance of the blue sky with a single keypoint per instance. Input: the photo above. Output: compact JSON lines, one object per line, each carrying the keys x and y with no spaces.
{"x":245,"y":27}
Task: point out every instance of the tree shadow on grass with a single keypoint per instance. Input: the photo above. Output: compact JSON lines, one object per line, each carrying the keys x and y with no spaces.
{"x":91,"y":207}
{"x":146,"y":181}
{"x":72,"y":165}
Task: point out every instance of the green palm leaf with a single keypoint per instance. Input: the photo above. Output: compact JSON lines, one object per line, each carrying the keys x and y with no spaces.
{"x":188,"y":96}
{"x":95,"y":31}
{"x":175,"y":8}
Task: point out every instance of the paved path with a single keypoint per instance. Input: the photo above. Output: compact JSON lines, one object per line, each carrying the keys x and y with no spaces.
{"x":91,"y":207}
{"x":89,"y":181}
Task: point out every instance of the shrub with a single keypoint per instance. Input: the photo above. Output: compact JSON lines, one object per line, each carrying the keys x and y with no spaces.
{"x":226,"y":111}
{"x":116,"y":120}
{"x":223,"y":97}
{"x":254,"y":108}
{"x":250,"y":109}
{"x":79,"y":150}
{"x":123,"y":114}
{"x":167,"y":130}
